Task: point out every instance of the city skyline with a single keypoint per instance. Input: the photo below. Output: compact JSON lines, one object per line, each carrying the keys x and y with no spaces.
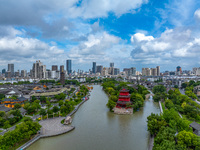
{"x":143,"y":33}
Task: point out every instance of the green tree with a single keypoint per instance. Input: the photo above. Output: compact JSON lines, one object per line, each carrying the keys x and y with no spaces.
{"x":159,"y":89}
{"x":111,"y":104}
{"x":2,"y":96}
{"x":6,"y":125}
{"x":43,"y":112}
{"x":188,"y":139}
{"x":60,"y":102}
{"x":33,"y":98}
{"x":63,"y":109}
{"x":17,"y":106}
{"x":43,"y":99}
{"x":2,"y":113}
{"x":154,"y":123}
{"x":55,"y":109}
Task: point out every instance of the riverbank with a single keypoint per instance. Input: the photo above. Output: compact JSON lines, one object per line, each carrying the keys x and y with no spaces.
{"x":53,"y":127}
{"x":98,"y":128}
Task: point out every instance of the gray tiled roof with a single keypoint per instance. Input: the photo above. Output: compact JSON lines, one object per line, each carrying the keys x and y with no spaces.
{"x":195,"y":126}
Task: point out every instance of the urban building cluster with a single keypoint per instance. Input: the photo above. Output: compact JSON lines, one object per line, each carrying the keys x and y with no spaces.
{"x":39,"y":71}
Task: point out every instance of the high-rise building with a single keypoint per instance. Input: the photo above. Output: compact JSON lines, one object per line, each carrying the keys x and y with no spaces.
{"x":132,"y":71}
{"x":62,"y":68}
{"x":3,"y":71}
{"x":112,"y":64}
{"x":146,"y":72}
{"x":196,"y":71}
{"x":38,"y":70}
{"x":17,"y":74}
{"x":158,"y":70}
{"x":62,"y":78}
{"x":69,"y":66}
{"x":116,"y":71}
{"x":178,"y":70}
{"x":8,"y":74}
{"x":105,"y":71}
{"x":11,"y":69}
{"x":94,"y":68}
{"x":100,"y":69}
{"x":111,"y":70}
{"x":154,"y":71}
{"x":54,"y":68}
{"x":23,"y":73}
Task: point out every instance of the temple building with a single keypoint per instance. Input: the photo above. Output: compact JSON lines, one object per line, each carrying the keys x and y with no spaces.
{"x":124,"y":98}
{"x":10,"y":103}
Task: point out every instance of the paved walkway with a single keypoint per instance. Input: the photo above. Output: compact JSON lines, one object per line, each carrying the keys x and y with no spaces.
{"x":51,"y":127}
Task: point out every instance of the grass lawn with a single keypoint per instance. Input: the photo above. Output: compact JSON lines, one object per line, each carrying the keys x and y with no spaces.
{"x":1,"y":130}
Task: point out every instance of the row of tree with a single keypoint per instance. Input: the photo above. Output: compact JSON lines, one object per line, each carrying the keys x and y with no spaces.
{"x":172,"y":132}
{"x":23,"y":132}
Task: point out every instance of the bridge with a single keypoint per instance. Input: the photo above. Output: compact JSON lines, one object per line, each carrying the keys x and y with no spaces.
{"x":148,"y":95}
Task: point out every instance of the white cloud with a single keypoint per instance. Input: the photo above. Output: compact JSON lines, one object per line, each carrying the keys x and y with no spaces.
{"x":197,"y":13}
{"x":101,"y":8}
{"x":172,"y":45}
{"x":19,"y":49}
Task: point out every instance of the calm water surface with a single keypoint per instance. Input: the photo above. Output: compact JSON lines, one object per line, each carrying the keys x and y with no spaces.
{"x":99,"y":129}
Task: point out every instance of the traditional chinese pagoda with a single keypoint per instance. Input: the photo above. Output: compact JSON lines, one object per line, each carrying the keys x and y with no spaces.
{"x":124,"y":98}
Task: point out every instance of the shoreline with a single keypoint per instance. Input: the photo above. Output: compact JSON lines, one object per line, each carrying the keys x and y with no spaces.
{"x":37,"y":137}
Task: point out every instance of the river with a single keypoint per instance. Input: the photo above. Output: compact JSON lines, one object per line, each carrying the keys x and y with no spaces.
{"x":99,"y":129}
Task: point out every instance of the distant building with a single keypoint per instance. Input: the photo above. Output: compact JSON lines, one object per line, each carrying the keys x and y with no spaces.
{"x":11,"y":69}
{"x":116,"y":71}
{"x":69,"y":66}
{"x":132,"y":71}
{"x":158,"y":70}
{"x":62,"y":78}
{"x":38,"y":70}
{"x":100,"y":69}
{"x":112,"y":64}
{"x":54,"y":68}
{"x":146,"y":72}
{"x":154,"y":71}
{"x":105,"y":71}
{"x":8,"y":74}
{"x":62,"y":68}
{"x":111,"y":70}
{"x":23,"y":73}
{"x":17,"y":74}
{"x":94,"y":67}
{"x":178,"y":70}
{"x":3,"y":71}
{"x":196,"y":71}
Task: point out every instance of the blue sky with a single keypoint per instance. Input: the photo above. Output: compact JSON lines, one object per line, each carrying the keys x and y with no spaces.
{"x":139,"y":33}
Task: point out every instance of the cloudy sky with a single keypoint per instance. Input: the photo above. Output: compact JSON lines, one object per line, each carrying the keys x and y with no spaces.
{"x":130,"y":33}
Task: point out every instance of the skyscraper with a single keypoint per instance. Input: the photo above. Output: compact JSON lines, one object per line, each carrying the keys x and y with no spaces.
{"x":54,"y":68}
{"x":158,"y":70}
{"x":100,"y":69}
{"x":3,"y":71}
{"x":112,"y":64}
{"x":38,"y":70}
{"x":11,"y":69}
{"x":62,"y":68}
{"x":62,"y":78}
{"x":69,"y":66}
{"x":178,"y":70}
{"x":94,"y":68}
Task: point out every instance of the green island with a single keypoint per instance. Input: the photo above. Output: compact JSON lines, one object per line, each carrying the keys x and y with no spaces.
{"x":113,"y":87}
